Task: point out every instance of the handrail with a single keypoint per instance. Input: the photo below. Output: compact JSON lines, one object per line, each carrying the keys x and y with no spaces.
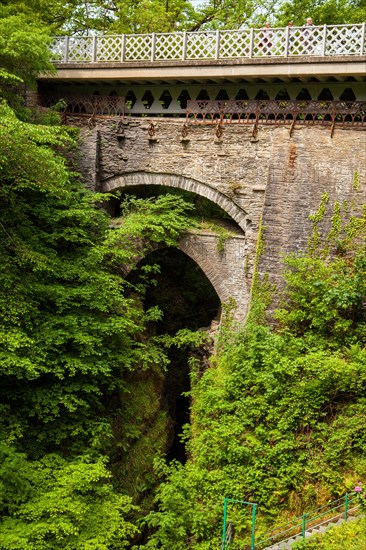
{"x":299,"y":525}
{"x":323,"y":41}
{"x":228,"y":536}
{"x":277,"y":112}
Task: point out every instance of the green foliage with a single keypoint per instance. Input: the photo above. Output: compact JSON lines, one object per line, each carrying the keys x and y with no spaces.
{"x":279,"y":418}
{"x":185,"y":338}
{"x":146,"y":16}
{"x":53,"y":14}
{"x":326,"y":298}
{"x":146,"y":225}
{"x":159,"y":219}
{"x":24,"y":52}
{"x":53,"y":503}
{"x":183,"y":515}
{"x":331,"y":12}
{"x":222,"y":235}
{"x":24,"y":47}
{"x":350,"y":536}
{"x":71,"y":332}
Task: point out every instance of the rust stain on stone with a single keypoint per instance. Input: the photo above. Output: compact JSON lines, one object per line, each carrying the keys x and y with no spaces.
{"x":292,"y":155}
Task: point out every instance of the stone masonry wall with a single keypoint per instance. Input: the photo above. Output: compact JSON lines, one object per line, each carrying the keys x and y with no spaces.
{"x":302,"y":169}
{"x":276,"y":177}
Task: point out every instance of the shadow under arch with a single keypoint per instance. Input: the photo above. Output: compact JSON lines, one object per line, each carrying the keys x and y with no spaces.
{"x":186,"y":300}
{"x":132,"y":179}
{"x":190,"y":246}
{"x":192,"y":281}
{"x":221,"y":270}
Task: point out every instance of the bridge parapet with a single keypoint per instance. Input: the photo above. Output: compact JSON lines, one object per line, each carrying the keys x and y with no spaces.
{"x":308,"y":112}
{"x":332,"y":40}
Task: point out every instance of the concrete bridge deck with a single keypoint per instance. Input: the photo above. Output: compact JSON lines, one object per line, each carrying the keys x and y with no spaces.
{"x":310,"y":52}
{"x":211,"y":71}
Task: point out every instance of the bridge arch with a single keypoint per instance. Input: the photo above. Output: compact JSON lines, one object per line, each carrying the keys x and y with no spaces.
{"x":191,"y":246}
{"x":132,"y":179}
{"x":224,"y":270}
{"x":199,"y":249}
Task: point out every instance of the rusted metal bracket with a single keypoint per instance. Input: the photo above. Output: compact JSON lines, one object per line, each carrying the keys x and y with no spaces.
{"x":91,"y":121}
{"x":332,"y":128}
{"x":292,"y":127}
{"x":253,"y":137}
{"x":120,"y":131}
{"x":184,"y":138}
{"x":219,"y":131}
{"x":152,"y":132}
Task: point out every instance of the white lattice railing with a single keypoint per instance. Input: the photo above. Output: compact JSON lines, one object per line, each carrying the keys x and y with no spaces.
{"x":332,"y":40}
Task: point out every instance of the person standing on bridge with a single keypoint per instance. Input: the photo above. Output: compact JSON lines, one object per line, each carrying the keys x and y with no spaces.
{"x":308,"y":36}
{"x":266,"y":36}
{"x":290,"y":34}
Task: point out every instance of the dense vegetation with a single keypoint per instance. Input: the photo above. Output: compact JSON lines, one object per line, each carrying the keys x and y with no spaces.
{"x":70,"y":327}
{"x":142,"y":16}
{"x":351,"y":536}
{"x":278,"y":418}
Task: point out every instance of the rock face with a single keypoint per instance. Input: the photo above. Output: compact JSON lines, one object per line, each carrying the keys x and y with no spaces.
{"x":276,"y":179}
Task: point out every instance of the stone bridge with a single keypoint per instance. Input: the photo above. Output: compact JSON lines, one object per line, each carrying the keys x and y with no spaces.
{"x":278,"y":180}
{"x":225,"y":262}
{"x":271,"y":131}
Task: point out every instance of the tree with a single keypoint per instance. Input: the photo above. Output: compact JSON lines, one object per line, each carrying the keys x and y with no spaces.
{"x":279,"y":417}
{"x":55,"y":503}
{"x":330,"y":12}
{"x":24,"y":53}
{"x":71,"y":329}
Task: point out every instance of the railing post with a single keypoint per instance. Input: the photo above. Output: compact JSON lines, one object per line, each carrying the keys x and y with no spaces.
{"x":254,"y":513}
{"x":363,"y":34}
{"x":66,"y":52}
{"x":224,"y":524}
{"x":287,"y":41}
{"x":217,"y":45}
{"x":251,"y":43}
{"x":153,"y":43}
{"x":346,"y":505}
{"x":324,"y":45}
{"x":303,"y":526}
{"x":94,"y":49}
{"x":184,"y":48}
{"x":123,"y":48}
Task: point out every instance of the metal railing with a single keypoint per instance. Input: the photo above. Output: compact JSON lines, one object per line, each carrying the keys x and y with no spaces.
{"x":278,"y":112}
{"x":228,"y":536}
{"x":228,"y":527}
{"x":332,"y":40}
{"x":268,"y":111}
{"x":85,"y":105}
{"x":341,"y":508}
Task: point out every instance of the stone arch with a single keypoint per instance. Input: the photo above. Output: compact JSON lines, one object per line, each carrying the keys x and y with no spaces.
{"x":224,"y":270}
{"x":212,"y":269}
{"x":132,"y":179}
{"x":188,"y":246}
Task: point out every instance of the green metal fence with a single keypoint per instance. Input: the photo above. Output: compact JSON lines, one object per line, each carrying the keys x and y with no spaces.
{"x":228,"y":532}
{"x":341,"y":508}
